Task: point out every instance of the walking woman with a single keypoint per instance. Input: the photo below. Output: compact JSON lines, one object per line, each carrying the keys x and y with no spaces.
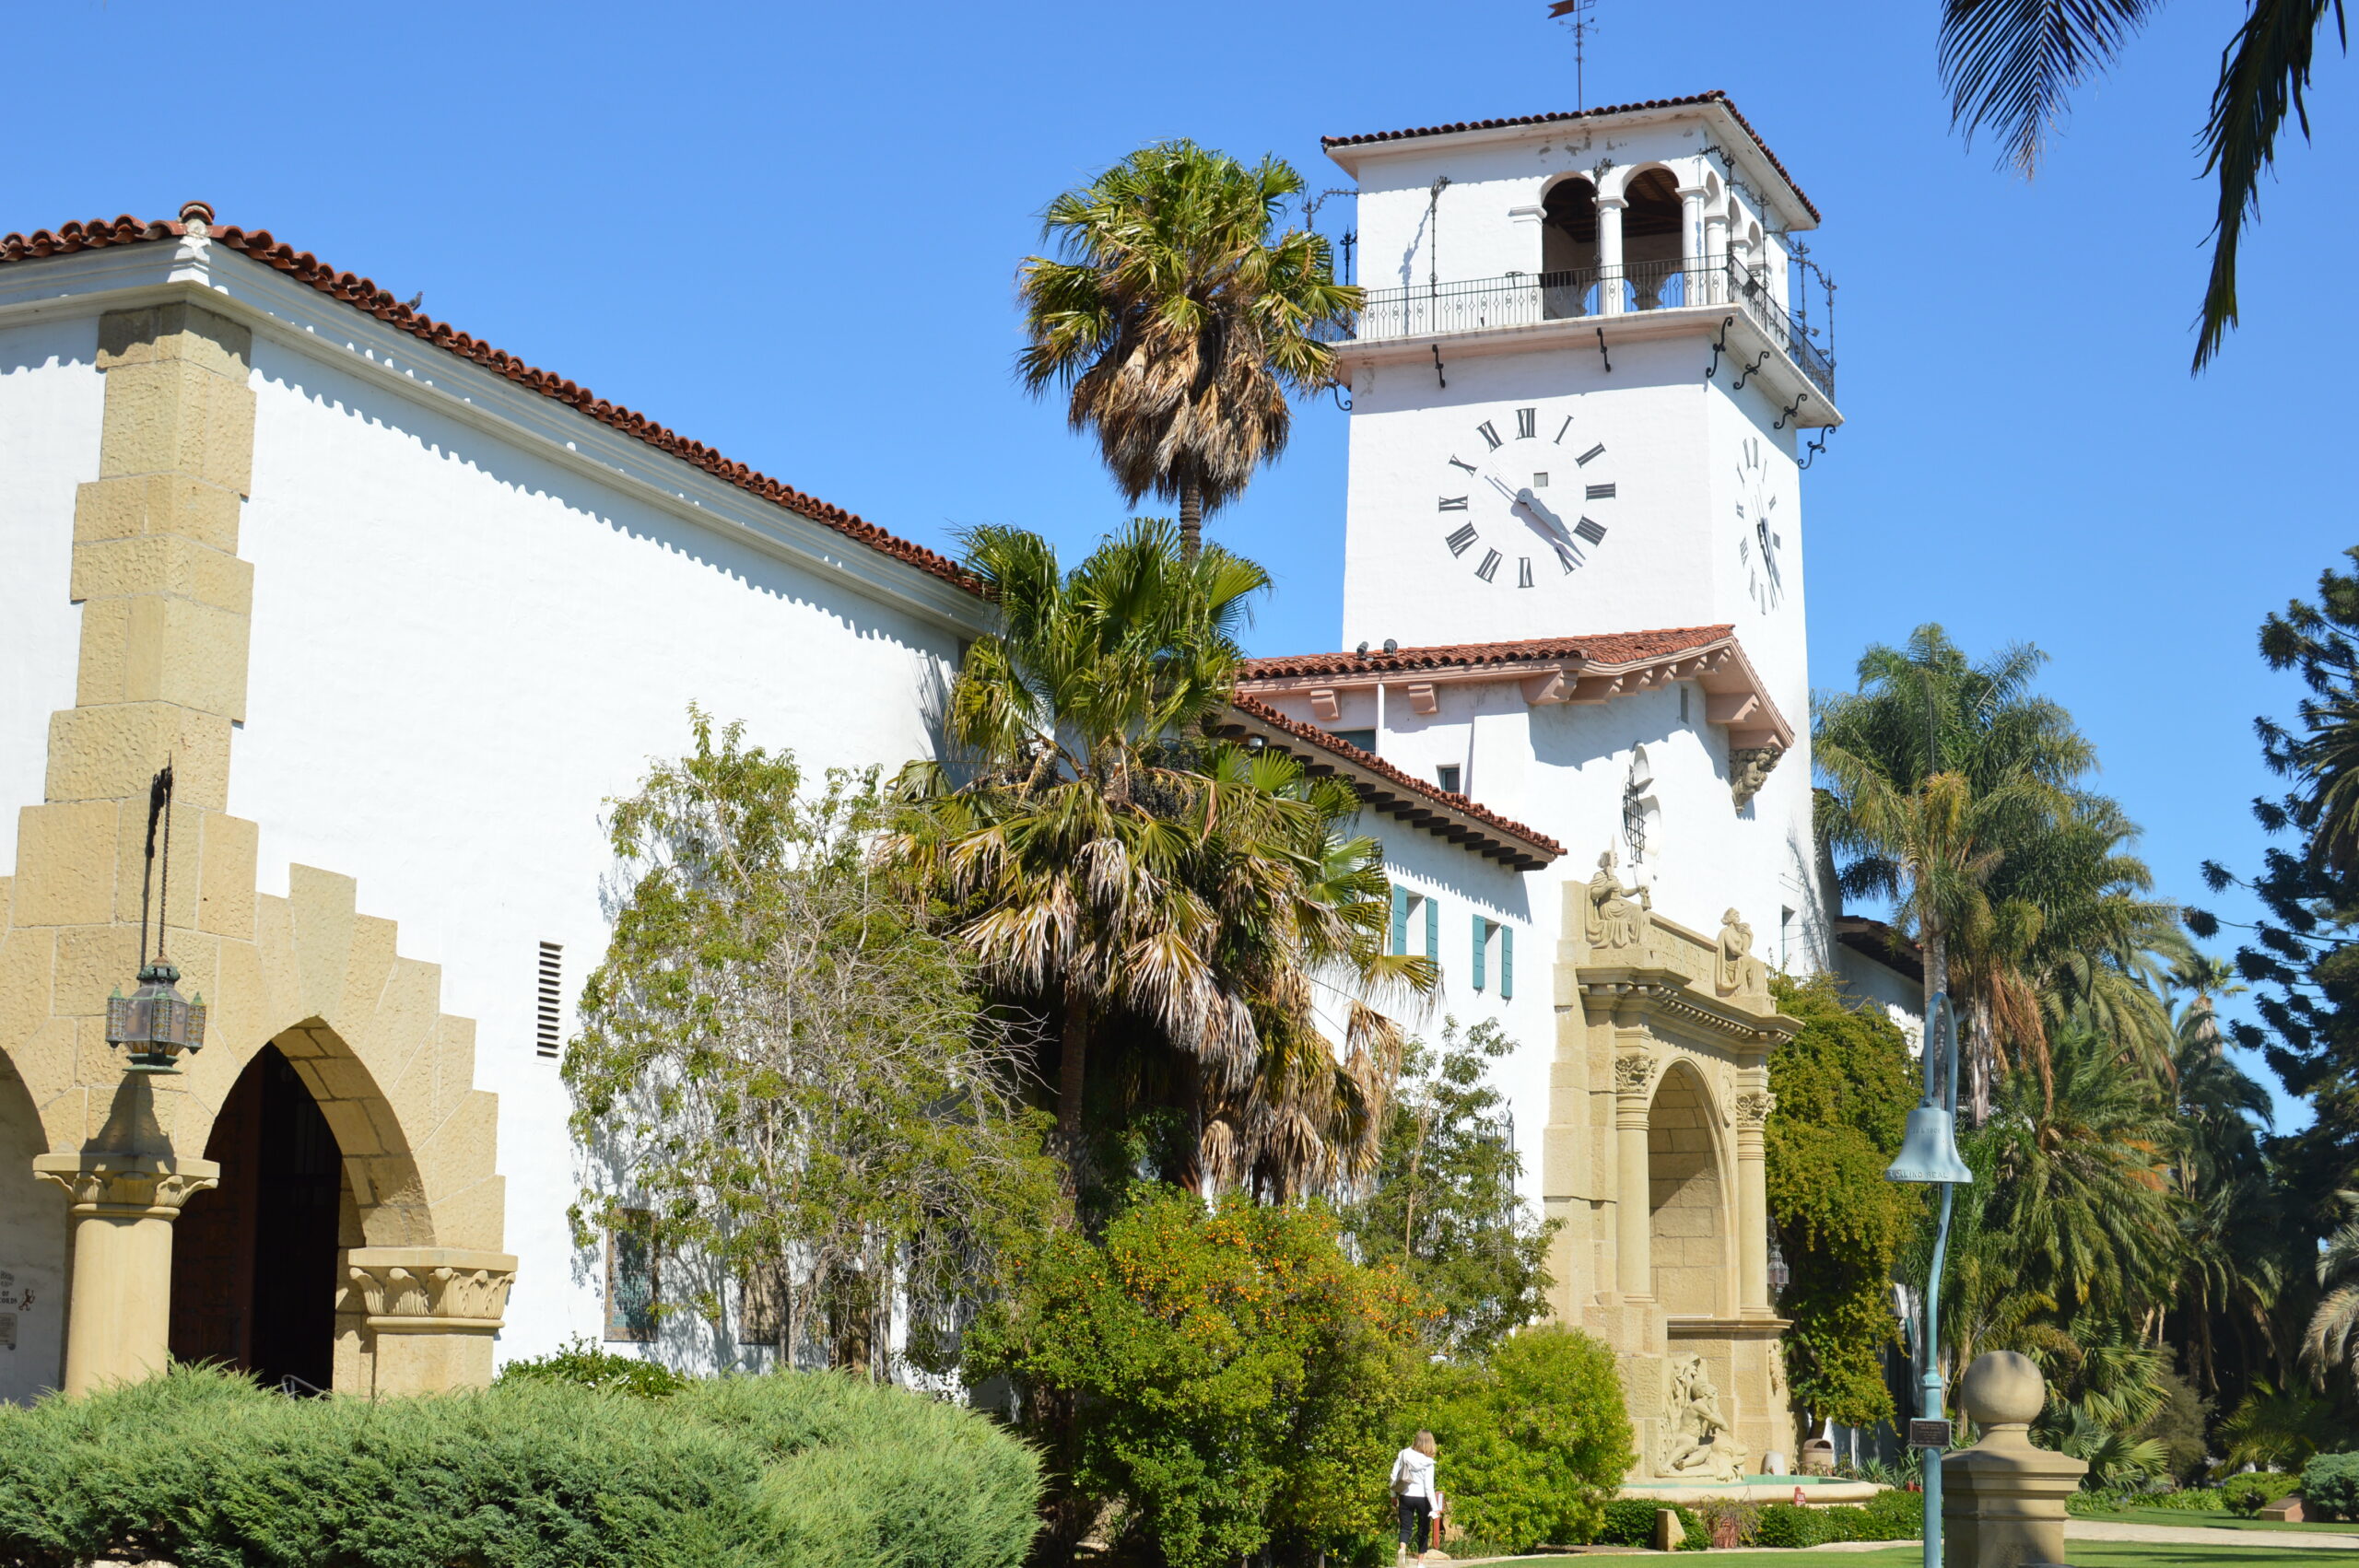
{"x":1413,"y":1483}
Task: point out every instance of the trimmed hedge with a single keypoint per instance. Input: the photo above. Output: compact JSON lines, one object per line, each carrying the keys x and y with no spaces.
{"x":201,"y":1468}
{"x":2249,"y":1494}
{"x":2330,"y":1487}
{"x":1630,"y":1521}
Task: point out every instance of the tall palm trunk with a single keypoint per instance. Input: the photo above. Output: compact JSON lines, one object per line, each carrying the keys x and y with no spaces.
{"x":1073,"y":1058}
{"x":1191,"y":518}
{"x":1937,"y":976}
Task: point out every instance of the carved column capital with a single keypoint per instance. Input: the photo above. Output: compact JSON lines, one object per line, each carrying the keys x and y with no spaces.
{"x":431,"y":1289}
{"x":1753,"y":1105}
{"x":127,"y":1186}
{"x":1632,"y":1070}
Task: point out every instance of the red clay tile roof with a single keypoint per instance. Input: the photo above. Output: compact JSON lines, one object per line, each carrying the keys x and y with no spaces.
{"x":260,"y":245}
{"x":1715,"y":96}
{"x":1528,"y":840}
{"x":1602,"y":652}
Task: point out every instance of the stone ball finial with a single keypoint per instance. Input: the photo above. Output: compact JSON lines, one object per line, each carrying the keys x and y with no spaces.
{"x":2002,"y":1388}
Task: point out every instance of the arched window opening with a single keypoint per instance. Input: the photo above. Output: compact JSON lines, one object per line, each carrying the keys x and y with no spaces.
{"x":1569,"y":249}
{"x":32,"y":1252}
{"x":254,"y":1259}
{"x":1654,"y":245}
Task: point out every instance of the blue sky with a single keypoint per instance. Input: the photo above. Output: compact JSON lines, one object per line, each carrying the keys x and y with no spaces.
{"x":790,"y":231}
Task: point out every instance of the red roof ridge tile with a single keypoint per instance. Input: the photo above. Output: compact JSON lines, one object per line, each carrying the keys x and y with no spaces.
{"x":1377,"y":765}
{"x":1603,"y":648}
{"x":1713,"y":95}
{"x":264,"y":249}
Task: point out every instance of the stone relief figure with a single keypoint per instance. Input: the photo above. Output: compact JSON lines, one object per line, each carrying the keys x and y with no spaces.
{"x":1633,"y":1072}
{"x":1695,"y":1441}
{"x":1617,"y":915}
{"x":1749,"y":769}
{"x":1739,"y":970}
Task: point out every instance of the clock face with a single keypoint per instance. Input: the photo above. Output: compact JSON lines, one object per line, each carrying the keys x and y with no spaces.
{"x":1760,"y":553}
{"x":1520,"y":497}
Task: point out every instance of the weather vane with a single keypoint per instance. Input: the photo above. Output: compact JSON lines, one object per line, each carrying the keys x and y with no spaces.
{"x":1576,"y":15}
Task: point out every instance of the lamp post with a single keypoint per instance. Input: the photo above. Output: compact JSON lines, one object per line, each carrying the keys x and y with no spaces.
{"x":1929,"y":1154}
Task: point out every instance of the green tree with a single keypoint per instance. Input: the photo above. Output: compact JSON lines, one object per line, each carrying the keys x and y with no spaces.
{"x":1180,"y":320}
{"x":786,"y":1071}
{"x":1226,"y":1376}
{"x":1952,"y":790}
{"x":1114,"y":873}
{"x":1844,"y":1087}
{"x":1441,"y":1201}
{"x":2012,"y":67}
{"x":1534,"y":1439}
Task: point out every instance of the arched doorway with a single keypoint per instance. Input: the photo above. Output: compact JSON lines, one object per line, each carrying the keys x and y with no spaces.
{"x":1654,"y":240}
{"x":1687,"y":1232}
{"x":32,"y":1252}
{"x":254,"y":1260}
{"x":1568,"y":250}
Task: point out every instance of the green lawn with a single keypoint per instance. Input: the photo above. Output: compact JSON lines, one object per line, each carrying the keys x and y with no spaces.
{"x":2083,"y":1553}
{"x":2179,"y":1516}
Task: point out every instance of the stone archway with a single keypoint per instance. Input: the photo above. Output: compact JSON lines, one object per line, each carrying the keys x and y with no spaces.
{"x":32,"y":1252}
{"x":1693,"y":1272}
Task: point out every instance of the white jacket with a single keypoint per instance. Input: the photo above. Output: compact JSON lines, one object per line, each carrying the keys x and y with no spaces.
{"x":1417,"y":1471}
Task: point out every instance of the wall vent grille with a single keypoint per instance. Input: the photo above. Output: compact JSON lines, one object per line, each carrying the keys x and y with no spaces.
{"x":546,"y":1038}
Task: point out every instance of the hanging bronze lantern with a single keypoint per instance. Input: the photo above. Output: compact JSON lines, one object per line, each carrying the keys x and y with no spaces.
{"x":155,"y":1020}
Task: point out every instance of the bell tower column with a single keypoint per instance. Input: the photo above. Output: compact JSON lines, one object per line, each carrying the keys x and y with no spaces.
{"x":1609,"y":254}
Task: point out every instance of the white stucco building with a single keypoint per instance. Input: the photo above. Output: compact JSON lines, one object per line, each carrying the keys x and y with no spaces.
{"x":403,"y":611}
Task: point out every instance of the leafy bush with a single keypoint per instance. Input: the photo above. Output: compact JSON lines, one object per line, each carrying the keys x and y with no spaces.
{"x":1890,"y":1516}
{"x":2192,"y":1500}
{"x":2331,"y":1486}
{"x":201,"y":1468}
{"x":1631,"y":1522}
{"x":1533,"y":1442}
{"x":2249,"y":1494}
{"x":1228,"y":1378}
{"x":585,"y":1363}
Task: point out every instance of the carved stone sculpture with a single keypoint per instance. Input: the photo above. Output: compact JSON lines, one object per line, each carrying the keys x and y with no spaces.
{"x":1633,"y":1072}
{"x":1616,"y":916}
{"x":1749,"y":769}
{"x":1738,"y":971}
{"x":1696,"y":1436}
{"x":1753,"y":1105}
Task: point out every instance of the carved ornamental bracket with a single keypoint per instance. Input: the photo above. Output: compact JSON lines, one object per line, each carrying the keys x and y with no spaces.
{"x":431,"y":1289}
{"x":1749,"y":769}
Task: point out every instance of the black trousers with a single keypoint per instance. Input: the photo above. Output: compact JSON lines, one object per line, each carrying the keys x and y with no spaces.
{"x":1416,"y":1523}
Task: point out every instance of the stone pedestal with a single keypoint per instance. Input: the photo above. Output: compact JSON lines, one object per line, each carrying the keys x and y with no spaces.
{"x":118,"y":1314}
{"x":433,"y":1312}
{"x":2002,"y":1500}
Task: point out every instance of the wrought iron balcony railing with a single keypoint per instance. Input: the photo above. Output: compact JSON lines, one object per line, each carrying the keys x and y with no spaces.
{"x":1521,"y":299}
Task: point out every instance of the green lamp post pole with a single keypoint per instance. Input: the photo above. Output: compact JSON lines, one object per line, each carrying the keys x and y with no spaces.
{"x":1929,"y":1154}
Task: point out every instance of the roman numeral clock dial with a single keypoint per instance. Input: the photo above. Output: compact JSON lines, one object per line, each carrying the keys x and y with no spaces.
{"x":1512,"y":506}
{"x":1760,"y":549}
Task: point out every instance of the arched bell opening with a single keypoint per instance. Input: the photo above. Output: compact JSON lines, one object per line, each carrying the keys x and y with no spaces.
{"x":1569,"y":249}
{"x":32,"y":1251}
{"x":255,"y":1270}
{"x":1654,"y":244}
{"x":1688,"y":1214}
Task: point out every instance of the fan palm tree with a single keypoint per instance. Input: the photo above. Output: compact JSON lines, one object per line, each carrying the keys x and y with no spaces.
{"x":1179,"y":321}
{"x":1108,"y":865}
{"x":2010,"y":65}
{"x":1935,"y":770}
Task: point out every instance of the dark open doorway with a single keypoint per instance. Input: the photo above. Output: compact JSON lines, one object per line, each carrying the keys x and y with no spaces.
{"x":253,"y":1260}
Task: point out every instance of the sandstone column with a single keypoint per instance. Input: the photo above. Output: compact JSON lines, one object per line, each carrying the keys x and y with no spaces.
{"x":1634,"y":1205}
{"x":434,"y":1311}
{"x":1752,"y":1109}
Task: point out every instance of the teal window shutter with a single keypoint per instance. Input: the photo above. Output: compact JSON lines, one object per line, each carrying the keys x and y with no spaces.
{"x":1433,"y":928}
{"x":1482,"y":934}
{"x":1400,"y":919}
{"x":1506,"y":962}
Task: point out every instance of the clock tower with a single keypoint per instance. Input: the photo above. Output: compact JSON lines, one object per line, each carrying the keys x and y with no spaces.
{"x":1581,"y":383}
